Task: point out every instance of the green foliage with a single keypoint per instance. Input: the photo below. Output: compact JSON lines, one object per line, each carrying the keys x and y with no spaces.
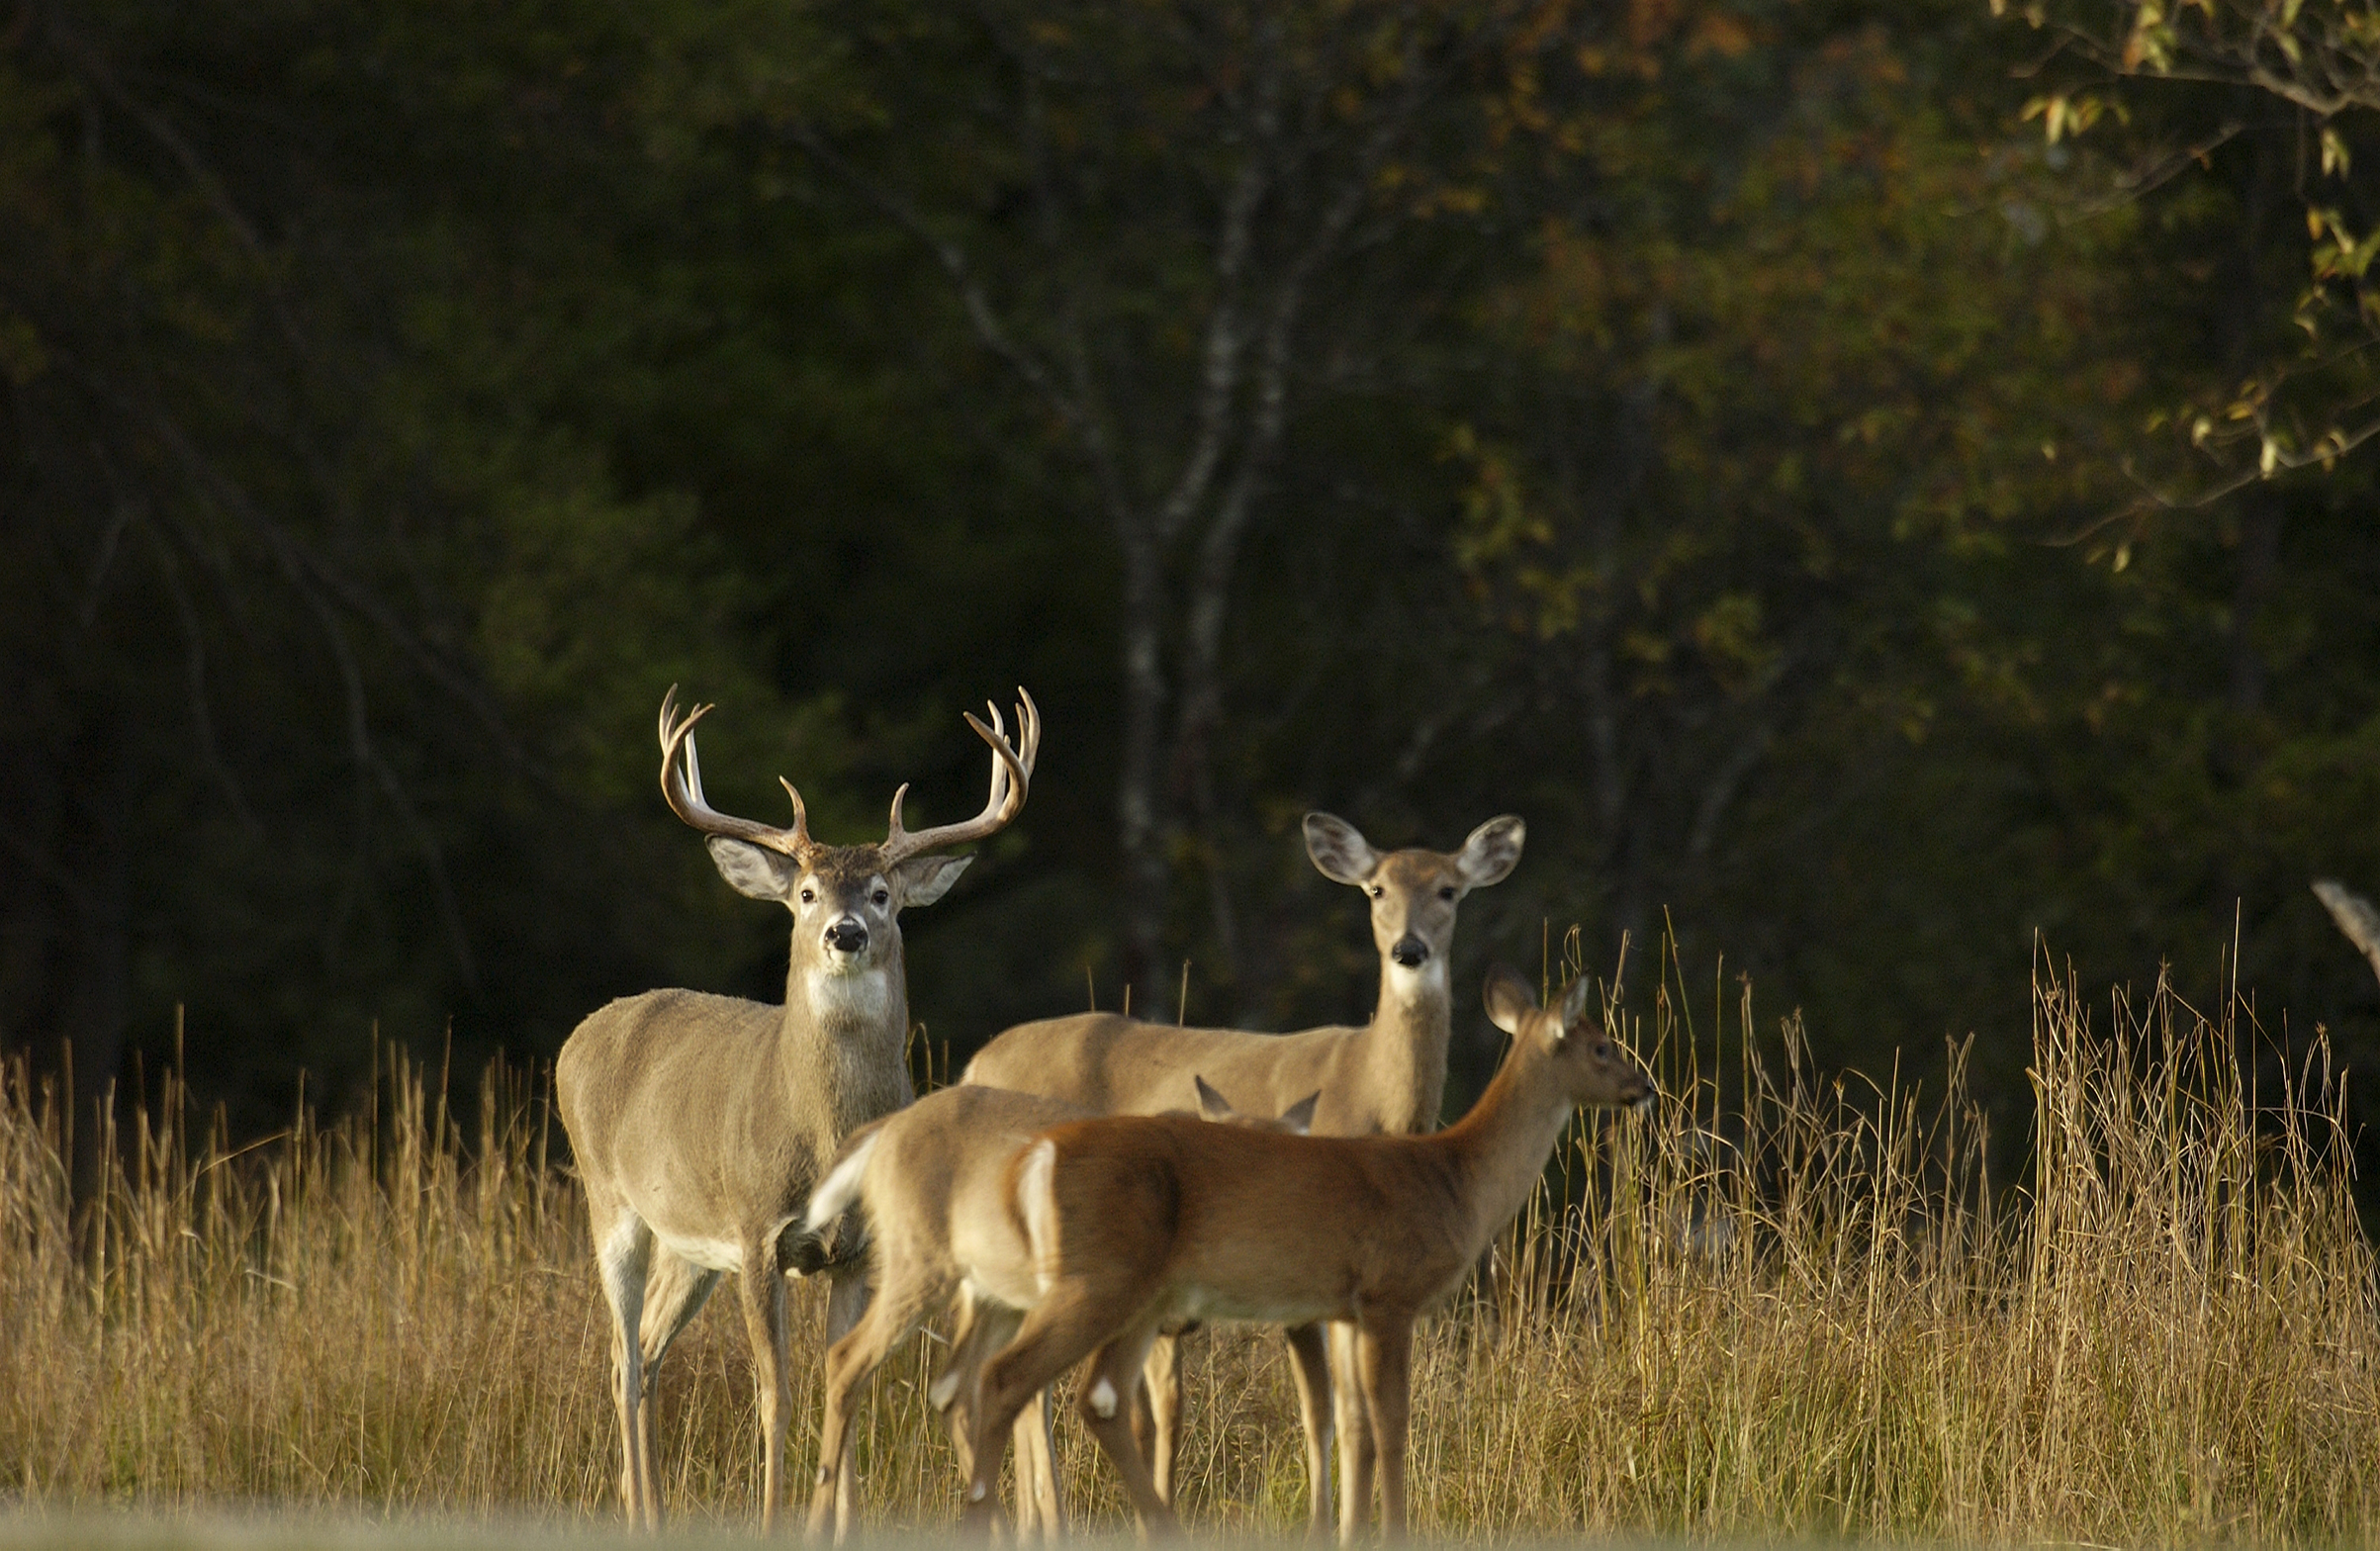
{"x":1715,"y":436}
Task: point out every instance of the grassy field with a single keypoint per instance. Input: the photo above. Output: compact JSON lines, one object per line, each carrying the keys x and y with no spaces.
{"x":1771,"y":1307}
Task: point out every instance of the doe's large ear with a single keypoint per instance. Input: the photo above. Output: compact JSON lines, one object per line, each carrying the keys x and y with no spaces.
{"x":1338,"y":849}
{"x":924,"y":879}
{"x":1491,"y":852}
{"x":1298,"y":1118}
{"x":1510,"y":999}
{"x":1212,"y":1105}
{"x":751,"y":870}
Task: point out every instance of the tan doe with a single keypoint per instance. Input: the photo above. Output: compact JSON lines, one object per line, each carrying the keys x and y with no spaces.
{"x":1134,"y":1222}
{"x":1385,"y":1077}
{"x":701,"y":1123}
{"x":931,"y":1183}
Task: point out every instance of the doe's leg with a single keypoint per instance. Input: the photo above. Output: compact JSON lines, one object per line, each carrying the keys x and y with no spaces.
{"x":1103,"y":1395}
{"x":1355,"y":1442}
{"x":849,"y":1362}
{"x":1311,"y":1360}
{"x":1384,"y":1355}
{"x":1070,"y":1322}
{"x":1161,"y":1389}
{"x":847,"y":1292}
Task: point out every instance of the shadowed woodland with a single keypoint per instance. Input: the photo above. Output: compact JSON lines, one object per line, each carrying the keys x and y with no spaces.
{"x":1808,"y":457}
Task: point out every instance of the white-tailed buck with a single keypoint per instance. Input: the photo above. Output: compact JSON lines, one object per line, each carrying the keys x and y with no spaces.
{"x":701,"y":1123}
{"x":1388,"y":1076}
{"x":1133,"y":1222}
{"x":932,"y":1182}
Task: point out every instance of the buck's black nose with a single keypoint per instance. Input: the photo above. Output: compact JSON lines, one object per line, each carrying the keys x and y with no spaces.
{"x":1410,"y":951}
{"x":847,"y":936}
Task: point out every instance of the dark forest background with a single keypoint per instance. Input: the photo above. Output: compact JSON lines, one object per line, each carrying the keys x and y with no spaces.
{"x":1808,"y":457}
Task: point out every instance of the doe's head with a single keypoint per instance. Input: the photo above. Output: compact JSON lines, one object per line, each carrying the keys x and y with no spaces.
{"x":1413,"y":892}
{"x":1588,"y":1065}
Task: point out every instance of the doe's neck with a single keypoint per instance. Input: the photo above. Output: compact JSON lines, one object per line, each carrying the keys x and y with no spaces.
{"x":1503,"y":1144}
{"x":1405,"y":1060}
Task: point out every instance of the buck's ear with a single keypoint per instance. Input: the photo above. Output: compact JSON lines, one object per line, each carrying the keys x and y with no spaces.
{"x":1491,"y":852}
{"x":1575,"y":1004}
{"x":1338,"y":849}
{"x":924,"y":879}
{"x":1213,"y":1105}
{"x":751,"y":870}
{"x":1510,"y":999}
{"x":1298,"y":1118}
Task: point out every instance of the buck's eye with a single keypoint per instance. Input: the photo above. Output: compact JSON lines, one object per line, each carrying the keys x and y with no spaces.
{"x":808,"y":895}
{"x":881,"y":896}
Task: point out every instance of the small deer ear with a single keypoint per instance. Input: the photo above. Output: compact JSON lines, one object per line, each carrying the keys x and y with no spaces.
{"x":1213,"y":1105}
{"x":1573,"y":1005}
{"x":924,"y":879}
{"x":751,"y":870}
{"x":1338,"y":849}
{"x":1491,"y":852}
{"x":1510,"y":999}
{"x":1298,"y":1118}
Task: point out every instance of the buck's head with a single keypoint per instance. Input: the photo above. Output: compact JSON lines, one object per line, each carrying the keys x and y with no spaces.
{"x":1586,"y":1064}
{"x":846,"y":900}
{"x":1415,"y":892}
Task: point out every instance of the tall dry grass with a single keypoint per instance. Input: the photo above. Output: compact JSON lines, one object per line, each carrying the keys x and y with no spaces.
{"x":1775,"y":1306}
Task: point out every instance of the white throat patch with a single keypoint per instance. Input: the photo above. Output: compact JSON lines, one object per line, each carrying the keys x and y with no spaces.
{"x":847,"y":997}
{"x":1408,"y":986}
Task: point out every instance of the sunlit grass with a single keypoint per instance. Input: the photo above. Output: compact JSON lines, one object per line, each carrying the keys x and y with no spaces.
{"x":1774,"y":1306}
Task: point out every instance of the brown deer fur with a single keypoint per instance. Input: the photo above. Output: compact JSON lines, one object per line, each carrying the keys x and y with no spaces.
{"x":1387,"y":1076}
{"x":1135,"y":1222}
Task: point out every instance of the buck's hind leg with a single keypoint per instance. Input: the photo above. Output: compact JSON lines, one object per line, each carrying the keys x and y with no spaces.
{"x":623,"y":1264}
{"x":674,"y":1292}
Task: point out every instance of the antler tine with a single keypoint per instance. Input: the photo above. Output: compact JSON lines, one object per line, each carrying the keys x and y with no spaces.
{"x":1011,"y":780}
{"x":682,"y":787}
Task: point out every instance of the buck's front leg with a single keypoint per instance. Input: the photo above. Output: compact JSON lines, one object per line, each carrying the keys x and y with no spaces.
{"x":763,"y":1297}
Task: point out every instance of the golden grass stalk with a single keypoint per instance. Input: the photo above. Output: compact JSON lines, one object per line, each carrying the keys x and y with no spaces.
{"x":1779,"y":1305}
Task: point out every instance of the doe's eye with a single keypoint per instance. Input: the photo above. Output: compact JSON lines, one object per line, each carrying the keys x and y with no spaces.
{"x":1447,"y":892}
{"x":1378,"y":891}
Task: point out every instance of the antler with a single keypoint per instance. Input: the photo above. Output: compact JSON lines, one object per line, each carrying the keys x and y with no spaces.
{"x":683,"y":789}
{"x":1011,"y":777}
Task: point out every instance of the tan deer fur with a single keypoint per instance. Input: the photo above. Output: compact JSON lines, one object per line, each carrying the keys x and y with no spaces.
{"x":1387,"y":1076}
{"x":700,"y":1122}
{"x":1132,"y":1221}
{"x":930,"y":1182}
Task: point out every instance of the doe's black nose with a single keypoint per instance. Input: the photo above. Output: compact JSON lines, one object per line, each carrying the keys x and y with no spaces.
{"x":1410,"y":951}
{"x":847,"y":936}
